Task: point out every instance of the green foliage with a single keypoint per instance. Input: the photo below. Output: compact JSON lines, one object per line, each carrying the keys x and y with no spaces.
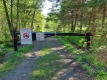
{"x":101,"y":75}
{"x":2,"y":53}
{"x":13,"y":60}
{"x":25,"y":49}
{"x":97,"y":44}
{"x":2,"y":45}
{"x":4,"y":49}
{"x":52,"y":21}
{"x":39,"y":22}
{"x":99,"y":65}
{"x":88,"y":69}
{"x":89,"y":62}
{"x":80,"y":41}
{"x":22,"y":15}
{"x":69,"y":46}
{"x":8,"y":44}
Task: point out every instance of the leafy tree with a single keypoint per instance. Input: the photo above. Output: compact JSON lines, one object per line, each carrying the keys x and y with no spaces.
{"x":52,"y":21}
{"x":20,"y":14}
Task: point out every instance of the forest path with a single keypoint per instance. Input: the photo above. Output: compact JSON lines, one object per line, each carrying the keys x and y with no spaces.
{"x":72,"y":70}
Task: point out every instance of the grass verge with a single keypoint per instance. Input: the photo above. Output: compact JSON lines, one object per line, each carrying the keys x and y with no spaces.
{"x":88,"y":61}
{"x":47,"y":65}
{"x":14,"y":59}
{"x":4,"y":49}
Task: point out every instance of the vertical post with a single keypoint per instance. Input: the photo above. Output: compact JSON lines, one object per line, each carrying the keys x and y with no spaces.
{"x":55,"y":30}
{"x":33,"y":36}
{"x":15,"y":38}
{"x":87,"y":36}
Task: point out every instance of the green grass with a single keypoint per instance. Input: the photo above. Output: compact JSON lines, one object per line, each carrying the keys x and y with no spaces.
{"x":88,"y":61}
{"x":78,"y":40}
{"x":69,"y":46}
{"x":47,"y":65}
{"x":5,"y":48}
{"x":14,"y":59}
{"x":4,"y":52}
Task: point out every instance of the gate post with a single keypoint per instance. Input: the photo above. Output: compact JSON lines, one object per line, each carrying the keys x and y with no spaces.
{"x":15,"y":38}
{"x":87,"y":36}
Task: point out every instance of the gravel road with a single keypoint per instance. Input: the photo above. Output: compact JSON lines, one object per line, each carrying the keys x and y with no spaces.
{"x":72,"y":70}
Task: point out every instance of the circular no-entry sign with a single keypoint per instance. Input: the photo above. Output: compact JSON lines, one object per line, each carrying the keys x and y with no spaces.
{"x":26,"y":35}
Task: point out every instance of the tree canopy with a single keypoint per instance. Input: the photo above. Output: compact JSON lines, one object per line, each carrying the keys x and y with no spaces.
{"x":65,"y":16}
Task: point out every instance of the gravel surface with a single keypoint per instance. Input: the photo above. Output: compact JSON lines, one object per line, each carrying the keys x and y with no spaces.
{"x":72,"y":70}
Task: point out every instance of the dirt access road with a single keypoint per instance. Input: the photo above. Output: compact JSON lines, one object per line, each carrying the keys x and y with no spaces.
{"x":71,"y":71}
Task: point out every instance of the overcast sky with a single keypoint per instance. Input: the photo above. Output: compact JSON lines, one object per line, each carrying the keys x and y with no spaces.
{"x":46,"y":10}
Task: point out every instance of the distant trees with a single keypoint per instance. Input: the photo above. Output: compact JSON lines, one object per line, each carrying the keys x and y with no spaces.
{"x":84,"y":15}
{"x":90,"y":14}
{"x":52,"y":21}
{"x":66,"y":16}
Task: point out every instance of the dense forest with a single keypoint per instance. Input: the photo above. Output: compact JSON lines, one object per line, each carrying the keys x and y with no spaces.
{"x":65,"y":16}
{"x":73,"y":16}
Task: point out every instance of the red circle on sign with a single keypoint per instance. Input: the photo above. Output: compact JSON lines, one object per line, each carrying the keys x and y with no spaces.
{"x":26,"y":35}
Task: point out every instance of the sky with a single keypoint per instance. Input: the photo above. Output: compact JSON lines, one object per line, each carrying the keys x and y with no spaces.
{"x":46,"y":10}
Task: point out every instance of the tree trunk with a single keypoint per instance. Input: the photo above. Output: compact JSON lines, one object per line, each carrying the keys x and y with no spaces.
{"x":93,"y":29}
{"x":74,"y":21}
{"x":17,"y":22}
{"x":8,"y":19}
{"x":33,"y":19}
{"x":103,"y":24}
{"x":89,"y":22}
{"x":11,"y":6}
{"x":81,"y":20}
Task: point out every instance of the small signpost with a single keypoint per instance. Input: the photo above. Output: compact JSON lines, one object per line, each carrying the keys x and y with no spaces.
{"x":39,"y":36}
{"x":26,"y":36}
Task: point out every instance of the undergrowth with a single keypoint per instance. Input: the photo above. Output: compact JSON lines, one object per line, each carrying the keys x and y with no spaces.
{"x":78,"y":40}
{"x":4,"y":49}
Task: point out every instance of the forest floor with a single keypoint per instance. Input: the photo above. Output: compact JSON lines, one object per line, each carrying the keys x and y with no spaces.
{"x":71,"y":71}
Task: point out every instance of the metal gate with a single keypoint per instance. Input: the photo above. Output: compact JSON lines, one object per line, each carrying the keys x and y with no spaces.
{"x":86,"y":35}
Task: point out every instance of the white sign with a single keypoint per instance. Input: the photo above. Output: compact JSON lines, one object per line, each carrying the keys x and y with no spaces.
{"x":40,"y":36}
{"x":26,"y":36}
